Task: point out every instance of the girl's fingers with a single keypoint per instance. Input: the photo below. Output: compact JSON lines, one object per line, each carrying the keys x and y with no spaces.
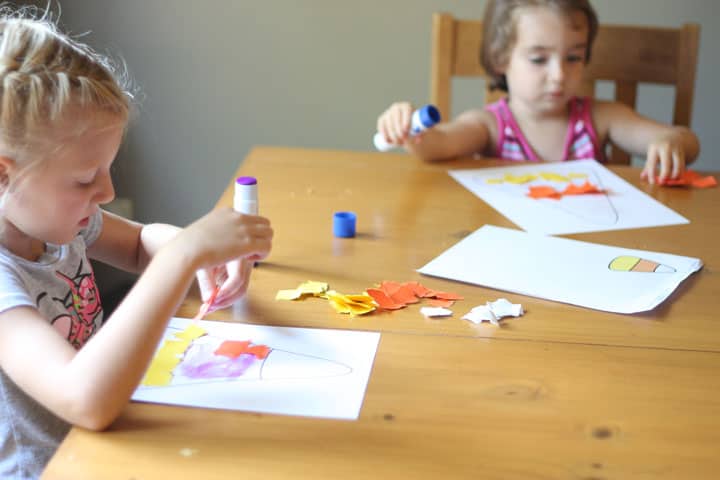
{"x":665,"y":164}
{"x":650,"y":165}
{"x":678,"y":163}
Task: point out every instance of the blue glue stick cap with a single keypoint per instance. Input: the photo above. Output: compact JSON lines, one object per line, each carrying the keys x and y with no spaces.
{"x":429,"y":115}
{"x":344,"y":224}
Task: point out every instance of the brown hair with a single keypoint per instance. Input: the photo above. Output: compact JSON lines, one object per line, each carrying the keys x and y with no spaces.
{"x":499,"y":31}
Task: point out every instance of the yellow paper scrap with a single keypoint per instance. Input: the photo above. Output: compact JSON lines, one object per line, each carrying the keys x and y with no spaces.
{"x":553,"y":177}
{"x":518,"y":179}
{"x":190,"y":333}
{"x":353,"y":304}
{"x":159,"y":372}
{"x":577,"y":175}
{"x":494,"y":181}
{"x":293,"y":294}
{"x":312,"y":287}
{"x":166,"y":359}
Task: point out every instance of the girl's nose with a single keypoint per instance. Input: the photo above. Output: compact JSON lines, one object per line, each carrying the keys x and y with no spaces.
{"x":557,"y":70}
{"x":106,"y":191}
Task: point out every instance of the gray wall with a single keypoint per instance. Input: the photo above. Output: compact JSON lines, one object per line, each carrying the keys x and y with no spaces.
{"x":220,"y":76}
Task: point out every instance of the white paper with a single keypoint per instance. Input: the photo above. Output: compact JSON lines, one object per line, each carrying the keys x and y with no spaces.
{"x":494,"y":311}
{"x":622,"y":207}
{"x":435,"y":312}
{"x":562,"y":270}
{"x":309,"y":372}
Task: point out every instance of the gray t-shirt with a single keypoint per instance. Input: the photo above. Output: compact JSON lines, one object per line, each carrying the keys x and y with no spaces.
{"x":61,"y":285}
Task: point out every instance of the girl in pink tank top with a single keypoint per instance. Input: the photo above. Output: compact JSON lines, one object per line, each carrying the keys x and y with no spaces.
{"x":581,"y":141}
{"x":536,"y":52}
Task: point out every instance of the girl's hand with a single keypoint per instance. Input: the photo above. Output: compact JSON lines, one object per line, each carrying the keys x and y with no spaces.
{"x":666,"y":153}
{"x":231,"y":280}
{"x":394,"y":123}
{"x":221,"y":236}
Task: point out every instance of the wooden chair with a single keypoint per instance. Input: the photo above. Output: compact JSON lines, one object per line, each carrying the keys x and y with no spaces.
{"x":625,"y":55}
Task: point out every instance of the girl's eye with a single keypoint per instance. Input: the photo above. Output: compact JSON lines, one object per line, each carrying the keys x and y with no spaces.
{"x":574,"y":58}
{"x":83,"y":183}
{"x":538,"y":60}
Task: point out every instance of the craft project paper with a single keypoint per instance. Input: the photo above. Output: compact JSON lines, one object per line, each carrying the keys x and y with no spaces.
{"x":587,"y":197}
{"x":281,"y":370}
{"x":568,"y":271}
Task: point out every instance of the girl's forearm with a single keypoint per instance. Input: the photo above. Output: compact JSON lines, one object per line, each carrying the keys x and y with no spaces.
{"x":109,"y":367}
{"x":152,"y":238}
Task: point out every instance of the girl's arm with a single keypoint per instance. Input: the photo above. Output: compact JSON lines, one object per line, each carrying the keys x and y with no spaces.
{"x":90,"y":387}
{"x":469,"y":133}
{"x":129,"y":245}
{"x":666,"y":147}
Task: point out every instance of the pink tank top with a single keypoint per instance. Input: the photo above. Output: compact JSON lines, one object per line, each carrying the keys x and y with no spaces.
{"x":581,"y":141}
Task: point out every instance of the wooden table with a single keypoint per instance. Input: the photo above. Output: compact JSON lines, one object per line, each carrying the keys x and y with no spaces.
{"x":562,"y":392}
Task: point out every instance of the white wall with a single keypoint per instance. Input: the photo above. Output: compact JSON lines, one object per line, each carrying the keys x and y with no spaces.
{"x":220,"y":76}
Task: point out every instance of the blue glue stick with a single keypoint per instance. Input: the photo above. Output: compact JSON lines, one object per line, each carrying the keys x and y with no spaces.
{"x":422,"y":119}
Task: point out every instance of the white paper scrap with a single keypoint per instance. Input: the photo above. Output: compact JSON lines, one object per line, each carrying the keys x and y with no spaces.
{"x":435,"y":312}
{"x":494,"y":311}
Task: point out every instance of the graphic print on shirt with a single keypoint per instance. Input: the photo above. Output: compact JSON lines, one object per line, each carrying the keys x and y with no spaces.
{"x":82,"y":303}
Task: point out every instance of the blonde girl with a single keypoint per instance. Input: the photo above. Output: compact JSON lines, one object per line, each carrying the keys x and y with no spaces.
{"x":63,"y":112}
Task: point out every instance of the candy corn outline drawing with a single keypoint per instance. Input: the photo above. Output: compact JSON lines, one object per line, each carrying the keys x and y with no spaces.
{"x":632,"y":263}
{"x":185,"y":351}
{"x":567,"y":204}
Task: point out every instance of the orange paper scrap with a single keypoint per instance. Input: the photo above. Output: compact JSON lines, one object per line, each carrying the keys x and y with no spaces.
{"x":690,"y":178}
{"x":546,"y":191}
{"x":391,"y":295}
{"x":235,"y":348}
{"x":586,"y":187}
{"x":383,"y":300}
{"x":543,"y":191}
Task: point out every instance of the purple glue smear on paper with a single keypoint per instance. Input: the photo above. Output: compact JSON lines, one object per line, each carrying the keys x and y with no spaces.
{"x":203,"y":364}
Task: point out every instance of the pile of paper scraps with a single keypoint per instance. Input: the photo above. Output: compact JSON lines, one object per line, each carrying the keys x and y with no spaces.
{"x":388,"y":295}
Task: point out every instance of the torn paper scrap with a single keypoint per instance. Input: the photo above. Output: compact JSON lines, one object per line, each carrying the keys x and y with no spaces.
{"x":352,"y":304}
{"x":308,"y":288}
{"x":313,"y":288}
{"x":689,"y":178}
{"x":391,"y":295}
{"x":494,"y":311}
{"x":435,"y":311}
{"x":293,"y":294}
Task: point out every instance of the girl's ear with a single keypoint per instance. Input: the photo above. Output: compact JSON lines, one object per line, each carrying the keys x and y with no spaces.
{"x":7,"y":165}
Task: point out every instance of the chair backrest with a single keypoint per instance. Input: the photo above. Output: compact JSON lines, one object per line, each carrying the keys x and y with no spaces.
{"x":625,"y":55}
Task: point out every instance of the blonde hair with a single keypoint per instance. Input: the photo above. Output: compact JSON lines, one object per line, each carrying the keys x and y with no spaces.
{"x":499,"y":31}
{"x":44,"y":73}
